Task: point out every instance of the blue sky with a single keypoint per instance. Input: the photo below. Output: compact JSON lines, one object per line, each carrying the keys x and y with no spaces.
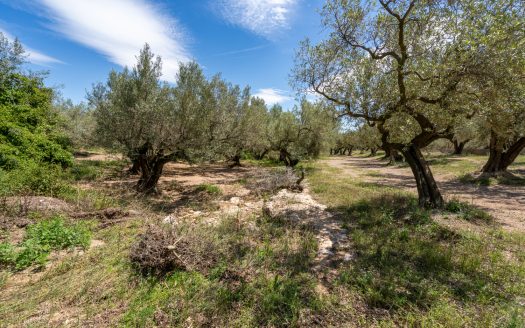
{"x":251,"y":42}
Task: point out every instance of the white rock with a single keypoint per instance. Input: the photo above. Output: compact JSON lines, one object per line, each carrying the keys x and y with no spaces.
{"x":170,"y":219}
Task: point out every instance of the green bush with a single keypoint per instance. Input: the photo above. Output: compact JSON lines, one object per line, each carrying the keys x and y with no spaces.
{"x":34,"y":178}
{"x":42,"y":238}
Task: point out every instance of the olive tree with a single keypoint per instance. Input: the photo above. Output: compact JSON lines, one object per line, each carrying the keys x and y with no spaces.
{"x":502,"y":97}
{"x":151,"y":122}
{"x":402,"y":66}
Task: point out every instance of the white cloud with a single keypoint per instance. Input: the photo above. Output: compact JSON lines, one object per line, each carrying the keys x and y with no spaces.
{"x":263,"y":17}
{"x":34,"y":56}
{"x":273,"y":96}
{"x":119,"y":29}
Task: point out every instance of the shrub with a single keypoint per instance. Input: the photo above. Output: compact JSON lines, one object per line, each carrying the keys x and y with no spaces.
{"x":161,"y":250}
{"x":55,"y":234}
{"x":34,"y":178}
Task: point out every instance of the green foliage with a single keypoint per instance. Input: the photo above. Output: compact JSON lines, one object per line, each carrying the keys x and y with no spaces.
{"x":42,"y":238}
{"x":34,"y":178}
{"x":55,"y":234}
{"x":31,"y":146}
{"x":28,"y":130}
{"x":77,"y":123}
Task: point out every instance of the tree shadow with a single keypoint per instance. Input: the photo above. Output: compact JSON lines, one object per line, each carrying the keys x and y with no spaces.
{"x":404,"y":259}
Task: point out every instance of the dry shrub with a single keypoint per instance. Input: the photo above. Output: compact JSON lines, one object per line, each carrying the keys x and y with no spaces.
{"x":161,"y":250}
{"x":270,"y":182}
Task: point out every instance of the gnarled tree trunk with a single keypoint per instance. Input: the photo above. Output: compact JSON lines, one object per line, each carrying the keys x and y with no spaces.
{"x":135,"y":155}
{"x":392,"y":155}
{"x":501,"y":157}
{"x":459,"y":146}
{"x":150,"y":169}
{"x":427,"y":188}
{"x":286,"y":157}
{"x":236,"y":161}
{"x":261,"y":155}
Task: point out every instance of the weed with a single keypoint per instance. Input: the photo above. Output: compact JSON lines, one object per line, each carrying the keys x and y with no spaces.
{"x":467,"y":212}
{"x":42,"y":238}
{"x":209,"y":189}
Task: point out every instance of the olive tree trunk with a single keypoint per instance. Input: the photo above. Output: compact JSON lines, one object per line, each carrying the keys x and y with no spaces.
{"x":459,"y":146}
{"x":150,"y":172}
{"x":236,"y":161}
{"x":500,"y":157}
{"x":286,"y":157}
{"x":261,"y":155}
{"x":427,"y":188}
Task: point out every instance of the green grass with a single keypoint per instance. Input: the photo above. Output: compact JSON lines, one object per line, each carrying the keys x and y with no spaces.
{"x":421,"y":273}
{"x":406,"y":269}
{"x":80,"y":287}
{"x":261,"y":278}
{"x":209,"y":189}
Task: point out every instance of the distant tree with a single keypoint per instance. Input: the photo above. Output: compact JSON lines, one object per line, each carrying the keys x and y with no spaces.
{"x":78,"y":122}
{"x":283,"y":135}
{"x":464,"y":131}
{"x":256,"y":125}
{"x":228,"y":120}
{"x":318,"y":127}
{"x":368,"y":137}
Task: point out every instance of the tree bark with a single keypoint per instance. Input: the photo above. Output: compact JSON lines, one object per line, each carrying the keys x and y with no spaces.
{"x":151,"y":169}
{"x":427,"y":188}
{"x":459,"y":146}
{"x":261,"y":155}
{"x":350,"y":149}
{"x":500,"y":158}
{"x":395,"y":156}
{"x":286,"y":157}
{"x":135,"y":167}
{"x":236,"y":161}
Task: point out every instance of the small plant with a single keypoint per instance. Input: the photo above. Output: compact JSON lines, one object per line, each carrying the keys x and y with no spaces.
{"x":466,"y":211}
{"x":40,"y":240}
{"x":209,"y":189}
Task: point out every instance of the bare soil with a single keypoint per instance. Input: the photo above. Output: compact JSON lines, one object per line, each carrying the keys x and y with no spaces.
{"x":505,"y":203}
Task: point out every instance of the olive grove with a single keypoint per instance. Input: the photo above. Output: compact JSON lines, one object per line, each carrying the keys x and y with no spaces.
{"x":198,"y":119}
{"x":409,"y":68}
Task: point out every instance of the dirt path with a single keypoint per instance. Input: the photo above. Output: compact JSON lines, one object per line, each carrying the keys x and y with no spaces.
{"x":505,"y":203}
{"x":300,"y":209}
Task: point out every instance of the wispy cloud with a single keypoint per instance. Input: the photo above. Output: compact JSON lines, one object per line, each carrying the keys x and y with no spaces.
{"x":119,"y":28}
{"x":263,"y":17}
{"x":273,"y":96}
{"x":241,"y":51}
{"x":34,"y":56}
